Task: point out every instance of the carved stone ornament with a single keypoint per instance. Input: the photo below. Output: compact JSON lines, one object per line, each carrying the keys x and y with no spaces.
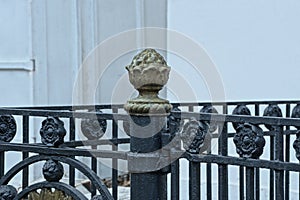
{"x":53,"y":171}
{"x":52,"y":131}
{"x":93,"y":128}
{"x":48,"y":194}
{"x":195,"y":136}
{"x":296,"y":113}
{"x":272,"y":110}
{"x":240,"y":110}
{"x":7,"y":192}
{"x":8,"y":128}
{"x":249,"y":141}
{"x":148,"y":73}
{"x":210,"y":109}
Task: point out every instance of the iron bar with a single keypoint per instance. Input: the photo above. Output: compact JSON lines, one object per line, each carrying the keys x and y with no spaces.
{"x":25,"y":172}
{"x":115,"y":161}
{"x":72,"y":138}
{"x":194,"y":181}
{"x":223,"y":168}
{"x":175,"y":180}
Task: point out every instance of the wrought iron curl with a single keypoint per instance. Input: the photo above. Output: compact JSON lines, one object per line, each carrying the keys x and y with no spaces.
{"x":94,"y":128}
{"x":296,"y":144}
{"x":249,"y":141}
{"x":97,"y":197}
{"x":212,"y":110}
{"x":273,"y":110}
{"x":53,"y":131}
{"x":8,"y":128}
{"x":296,"y":113}
{"x":195,"y":136}
{"x":7,"y":192}
{"x":53,"y":171}
{"x":240,"y":110}
{"x":174,"y":124}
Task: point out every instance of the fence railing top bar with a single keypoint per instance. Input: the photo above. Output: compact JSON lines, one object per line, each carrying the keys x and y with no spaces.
{"x":70,"y":108}
{"x":110,"y":106}
{"x":277,"y":121}
{"x":63,"y":114}
{"x":185,"y":115}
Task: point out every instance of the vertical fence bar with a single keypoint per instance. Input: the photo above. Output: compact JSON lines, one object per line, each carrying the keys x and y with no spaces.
{"x":175,"y":180}
{"x":271,"y":181}
{"x":242,"y":183}
{"x":194,"y":181}
{"x":250,"y":183}
{"x":279,"y":174}
{"x":72,"y":138}
{"x":94,"y":168}
{"x":114,"y":160}
{"x":223,"y":169}
{"x":257,"y":171}
{"x":2,"y":160}
{"x":287,"y":154}
{"x":208,"y":178}
{"x":194,"y":176}
{"x":25,"y":155}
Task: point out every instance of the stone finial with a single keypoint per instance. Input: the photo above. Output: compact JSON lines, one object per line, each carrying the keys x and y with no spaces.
{"x":148,"y":73}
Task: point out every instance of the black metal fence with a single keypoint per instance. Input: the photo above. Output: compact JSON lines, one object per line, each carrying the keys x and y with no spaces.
{"x":203,"y":134}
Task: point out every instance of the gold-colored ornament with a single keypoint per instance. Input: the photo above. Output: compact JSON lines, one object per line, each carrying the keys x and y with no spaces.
{"x":49,"y":195}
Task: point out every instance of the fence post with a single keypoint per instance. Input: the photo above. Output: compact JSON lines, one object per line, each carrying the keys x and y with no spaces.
{"x":148,"y":73}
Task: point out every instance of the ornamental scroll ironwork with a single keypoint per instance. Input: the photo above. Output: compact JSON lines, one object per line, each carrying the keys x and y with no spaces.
{"x":53,"y":171}
{"x":8,"y":128}
{"x":94,"y":128}
{"x":174,"y":124}
{"x":52,"y":131}
{"x":212,"y":110}
{"x":240,"y":110}
{"x":7,"y":192}
{"x":195,"y":136}
{"x":296,"y":144}
{"x":272,"y":110}
{"x":97,"y":197}
{"x":249,"y":141}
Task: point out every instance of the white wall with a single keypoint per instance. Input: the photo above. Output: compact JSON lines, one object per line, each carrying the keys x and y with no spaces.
{"x":255,"y":47}
{"x":254,"y":44}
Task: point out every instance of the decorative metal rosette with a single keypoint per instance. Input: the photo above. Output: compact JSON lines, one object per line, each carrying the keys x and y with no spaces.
{"x":7,"y":192}
{"x":272,"y":110}
{"x":210,"y":109}
{"x":53,"y":171}
{"x":97,"y":197}
{"x":249,"y":141}
{"x":296,"y":145}
{"x":174,"y":124}
{"x":195,"y":136}
{"x":240,"y":110}
{"x":8,"y":128}
{"x":296,"y":113}
{"x":52,"y":131}
{"x":93,"y":128}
